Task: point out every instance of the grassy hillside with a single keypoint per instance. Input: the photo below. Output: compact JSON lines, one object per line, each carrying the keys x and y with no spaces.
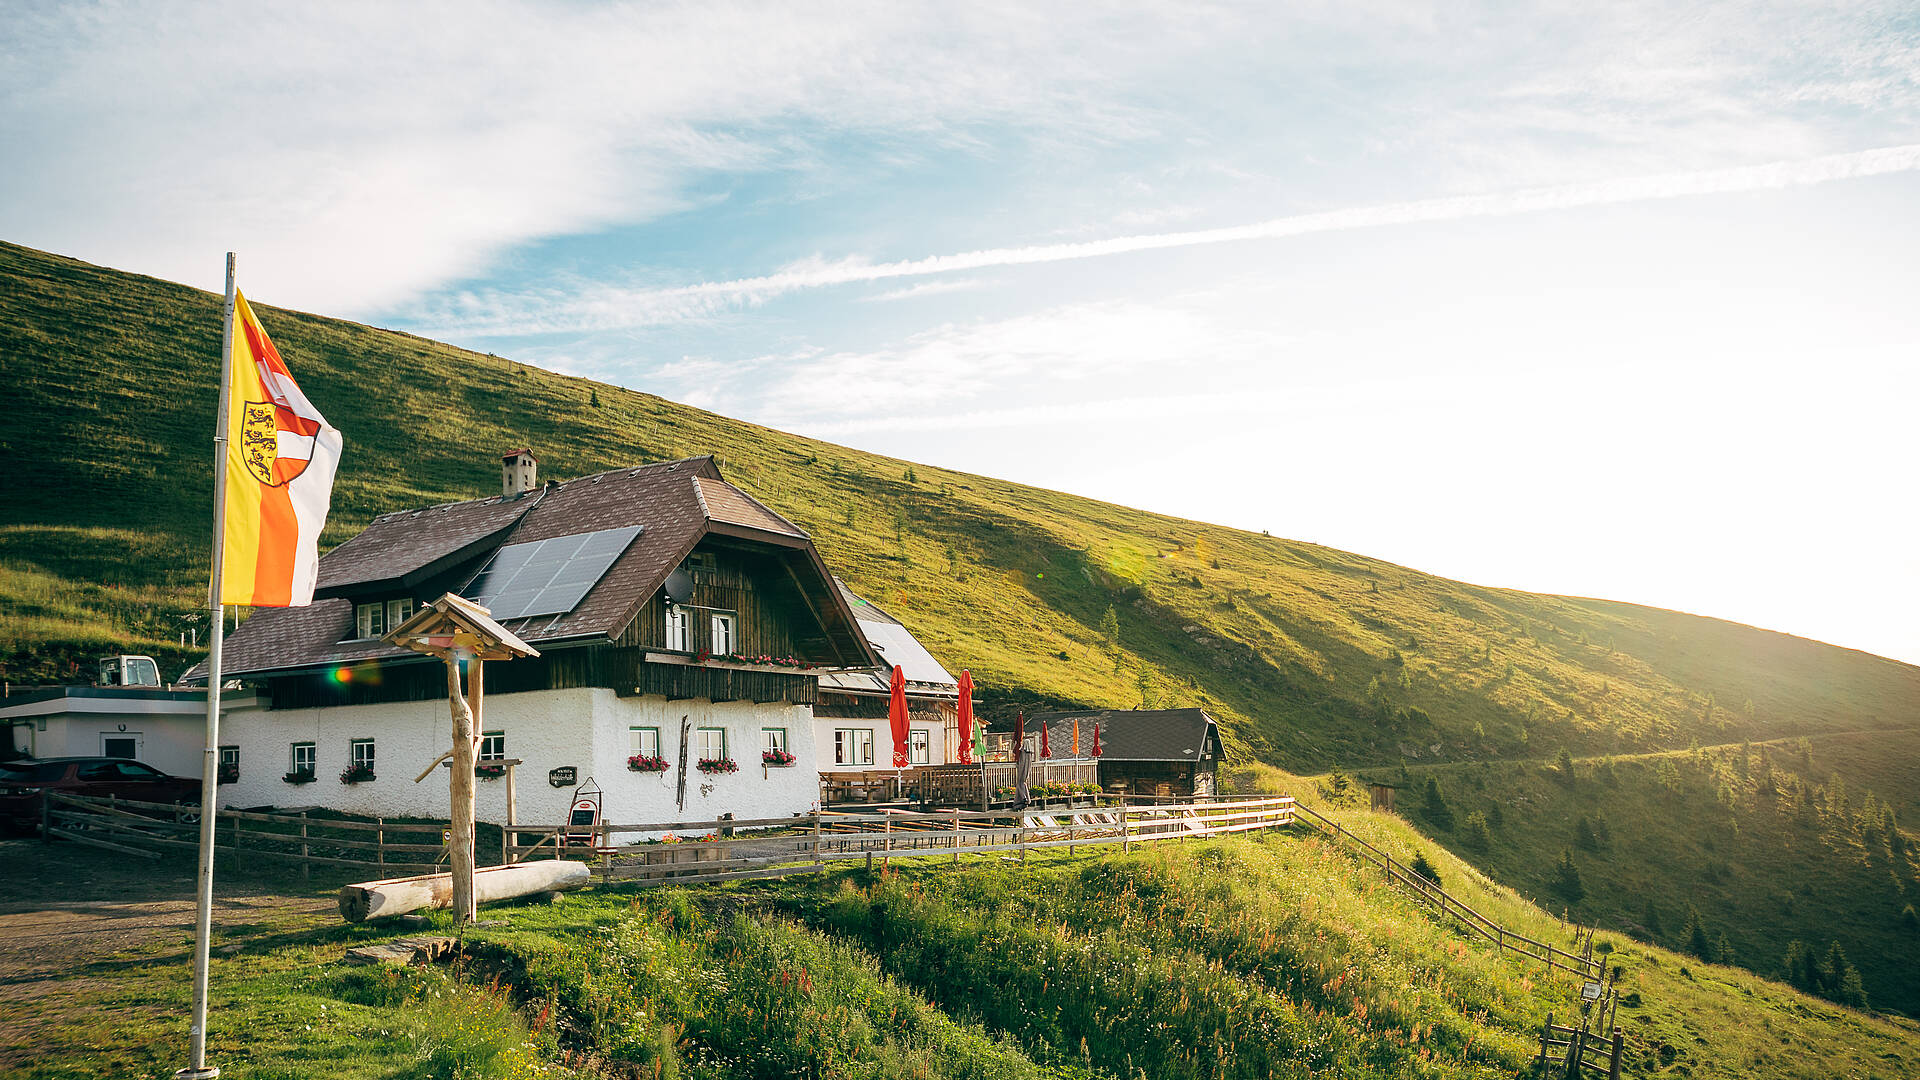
{"x":1769,"y":843}
{"x":1310,"y":656}
{"x":1278,"y":956}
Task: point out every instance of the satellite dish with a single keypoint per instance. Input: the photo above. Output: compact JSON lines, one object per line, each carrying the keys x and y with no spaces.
{"x":680,"y":586}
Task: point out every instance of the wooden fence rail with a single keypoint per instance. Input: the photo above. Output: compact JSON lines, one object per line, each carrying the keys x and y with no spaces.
{"x":738,"y":848}
{"x":734,"y":849}
{"x":134,"y":827}
{"x":1556,"y":958}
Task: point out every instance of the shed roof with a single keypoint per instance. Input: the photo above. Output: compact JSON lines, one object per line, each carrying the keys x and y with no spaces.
{"x":1133,"y":734}
{"x":676,"y":503}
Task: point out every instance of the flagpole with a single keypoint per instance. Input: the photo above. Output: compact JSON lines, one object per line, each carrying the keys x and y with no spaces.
{"x":210,"y":761}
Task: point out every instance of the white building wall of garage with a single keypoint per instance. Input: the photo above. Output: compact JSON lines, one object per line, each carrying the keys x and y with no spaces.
{"x":172,"y":744}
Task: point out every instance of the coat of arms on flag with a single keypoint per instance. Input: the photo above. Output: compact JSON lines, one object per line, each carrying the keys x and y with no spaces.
{"x":281,"y":456}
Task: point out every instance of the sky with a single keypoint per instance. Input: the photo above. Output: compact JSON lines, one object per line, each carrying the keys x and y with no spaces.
{"x":1609,"y":300}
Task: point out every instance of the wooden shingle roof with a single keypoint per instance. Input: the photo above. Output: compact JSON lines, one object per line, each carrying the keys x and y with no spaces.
{"x":675,"y":503}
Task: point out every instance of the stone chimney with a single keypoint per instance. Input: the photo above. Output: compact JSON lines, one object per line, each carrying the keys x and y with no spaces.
{"x":519,"y":474}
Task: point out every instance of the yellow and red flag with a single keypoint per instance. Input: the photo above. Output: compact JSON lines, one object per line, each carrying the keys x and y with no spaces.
{"x":281,"y":457}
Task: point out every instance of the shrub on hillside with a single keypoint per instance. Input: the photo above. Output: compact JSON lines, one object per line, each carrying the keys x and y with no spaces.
{"x":1694,"y":935}
{"x":1421,"y":867}
{"x":1477,"y":836}
{"x":1832,"y":976}
{"x":1583,"y":836}
{"x":1433,"y":806}
{"x":1566,"y":879}
{"x":1563,"y":767}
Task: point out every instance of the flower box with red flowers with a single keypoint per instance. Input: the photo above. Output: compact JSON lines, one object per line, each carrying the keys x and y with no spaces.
{"x":777,"y":759}
{"x":643,"y":763}
{"x":301,"y":776}
{"x":489,"y":772}
{"x":718,"y":765}
{"x":355,"y":774}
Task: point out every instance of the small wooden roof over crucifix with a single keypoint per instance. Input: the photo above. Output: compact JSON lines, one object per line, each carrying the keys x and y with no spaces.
{"x":455,"y":625}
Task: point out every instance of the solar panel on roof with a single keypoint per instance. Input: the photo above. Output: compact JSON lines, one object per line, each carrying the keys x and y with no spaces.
{"x":546,"y":577}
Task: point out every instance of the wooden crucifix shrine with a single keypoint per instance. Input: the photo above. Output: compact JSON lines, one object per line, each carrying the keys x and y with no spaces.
{"x":459,"y":631}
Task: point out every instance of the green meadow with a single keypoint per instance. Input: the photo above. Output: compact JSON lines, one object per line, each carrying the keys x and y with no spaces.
{"x":1312,"y":659}
{"x":1273,"y":956}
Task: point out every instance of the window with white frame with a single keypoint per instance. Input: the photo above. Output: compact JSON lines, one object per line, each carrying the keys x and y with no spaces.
{"x":399,"y":611}
{"x":362,"y":753}
{"x":493,"y":746}
{"x":773,"y":738}
{"x":853,"y":746}
{"x":229,"y":764}
{"x":369,"y":620}
{"x":643,"y":741}
{"x":303,"y":757}
{"x":712,"y":743}
{"x":919,"y":748}
{"x":678,"y":625}
{"x":720,"y":640}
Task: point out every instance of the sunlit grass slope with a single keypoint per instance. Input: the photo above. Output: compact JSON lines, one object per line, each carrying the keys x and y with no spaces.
{"x":1277,"y":956}
{"x":1770,"y":843}
{"x":1309,"y":656}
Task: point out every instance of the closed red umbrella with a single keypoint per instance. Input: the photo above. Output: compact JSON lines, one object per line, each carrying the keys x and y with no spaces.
{"x":1046,"y":751}
{"x":897,"y":716}
{"x":966,"y":718}
{"x":1096,"y":740}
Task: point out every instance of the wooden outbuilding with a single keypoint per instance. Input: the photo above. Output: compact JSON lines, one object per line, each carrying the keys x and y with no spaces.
{"x":1172,"y":753}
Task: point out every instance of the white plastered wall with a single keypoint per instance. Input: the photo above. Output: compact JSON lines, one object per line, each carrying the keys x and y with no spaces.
{"x":546,"y":729}
{"x":824,"y":727}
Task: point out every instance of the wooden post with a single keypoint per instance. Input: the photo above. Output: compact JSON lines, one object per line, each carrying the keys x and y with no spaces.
{"x":1613,"y":1060}
{"x":888,"y":857}
{"x":1545,"y":1033}
{"x":606,"y":855}
{"x":1126,"y":835}
{"x":956,"y":835}
{"x":1023,"y":837}
{"x":46,"y":817}
{"x":380,"y":841}
{"x":460,"y":789}
{"x":306,"y":854}
{"x":818,"y":865}
{"x":236,"y":845}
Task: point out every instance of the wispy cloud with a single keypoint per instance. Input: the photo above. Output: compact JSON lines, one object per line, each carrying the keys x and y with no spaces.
{"x":607,"y":308}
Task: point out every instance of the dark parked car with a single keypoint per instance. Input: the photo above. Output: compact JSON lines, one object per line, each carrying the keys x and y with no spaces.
{"x":22,"y":781}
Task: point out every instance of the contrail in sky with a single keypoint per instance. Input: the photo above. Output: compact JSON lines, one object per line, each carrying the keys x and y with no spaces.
{"x":605,"y":307}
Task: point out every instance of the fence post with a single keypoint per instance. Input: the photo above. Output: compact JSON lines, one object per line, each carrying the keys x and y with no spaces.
{"x":46,"y":816}
{"x":236,"y":841}
{"x":817,"y":864}
{"x":606,"y":855}
{"x":306,"y":855}
{"x":1126,"y":837}
{"x":1545,"y":1033}
{"x":1022,"y":819}
{"x":956,"y":836}
{"x":887,"y":830}
{"x":380,"y":842}
{"x":1613,"y":1061}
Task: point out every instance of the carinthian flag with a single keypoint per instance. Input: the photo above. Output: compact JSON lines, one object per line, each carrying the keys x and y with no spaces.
{"x":281,"y":456}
